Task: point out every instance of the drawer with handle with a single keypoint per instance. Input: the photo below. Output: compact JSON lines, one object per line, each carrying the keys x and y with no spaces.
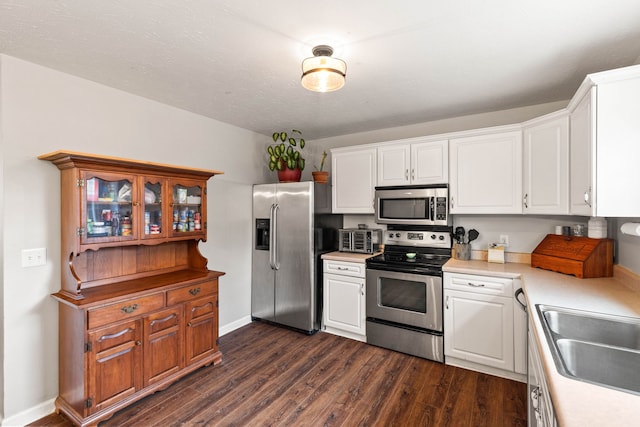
{"x":187,"y":293}
{"x":125,"y":310}
{"x":487,"y":285}
{"x":345,"y":268}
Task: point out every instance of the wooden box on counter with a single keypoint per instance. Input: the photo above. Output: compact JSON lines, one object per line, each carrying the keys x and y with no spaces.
{"x":582,"y":257}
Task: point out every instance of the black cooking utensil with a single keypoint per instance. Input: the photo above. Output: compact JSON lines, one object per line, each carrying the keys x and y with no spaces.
{"x":460,"y":234}
{"x":473,"y":235}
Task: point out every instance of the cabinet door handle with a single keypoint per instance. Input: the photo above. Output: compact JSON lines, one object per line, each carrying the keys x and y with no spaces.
{"x":413,"y":174}
{"x":138,"y":342}
{"x":128,"y":309}
{"x":587,"y":197}
{"x":169,"y":317}
{"x":194,"y":291}
{"x":476,"y":285}
{"x":534,"y":397}
{"x":362,"y":289}
{"x":406,"y":174}
{"x":116,"y":335}
{"x":451,"y":207}
{"x":519,"y":292}
{"x":525,"y":201}
{"x":446,"y":304}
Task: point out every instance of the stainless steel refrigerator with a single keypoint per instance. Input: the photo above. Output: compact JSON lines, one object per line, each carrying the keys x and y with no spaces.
{"x":289,"y":234}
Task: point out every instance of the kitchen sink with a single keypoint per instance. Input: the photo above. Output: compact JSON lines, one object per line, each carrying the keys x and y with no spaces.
{"x":592,"y":347}
{"x":614,"y":367}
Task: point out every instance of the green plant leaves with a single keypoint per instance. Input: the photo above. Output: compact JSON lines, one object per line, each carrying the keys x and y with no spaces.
{"x":284,"y":153}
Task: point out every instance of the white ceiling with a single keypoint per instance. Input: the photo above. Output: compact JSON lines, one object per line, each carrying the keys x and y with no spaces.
{"x":409,"y":61}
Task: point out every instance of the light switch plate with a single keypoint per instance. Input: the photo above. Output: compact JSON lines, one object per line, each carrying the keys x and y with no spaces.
{"x":34,"y":257}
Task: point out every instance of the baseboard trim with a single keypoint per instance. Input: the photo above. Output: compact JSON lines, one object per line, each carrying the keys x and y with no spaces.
{"x":230,"y":327}
{"x":30,"y":415}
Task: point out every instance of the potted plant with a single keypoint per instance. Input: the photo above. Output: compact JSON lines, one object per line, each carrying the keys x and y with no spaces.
{"x":320,"y":175}
{"x":285,"y":155}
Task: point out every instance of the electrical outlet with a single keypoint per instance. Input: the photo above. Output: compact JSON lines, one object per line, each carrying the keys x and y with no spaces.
{"x":504,"y":240}
{"x":34,"y":257}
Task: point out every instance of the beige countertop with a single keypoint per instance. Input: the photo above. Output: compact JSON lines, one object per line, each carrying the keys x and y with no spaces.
{"x":575,"y":403}
{"x":348,"y":256}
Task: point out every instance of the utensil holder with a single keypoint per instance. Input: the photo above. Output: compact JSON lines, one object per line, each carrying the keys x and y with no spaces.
{"x":463,"y":251}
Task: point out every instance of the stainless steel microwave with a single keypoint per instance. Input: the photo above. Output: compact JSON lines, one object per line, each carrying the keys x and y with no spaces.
{"x":412,"y":205}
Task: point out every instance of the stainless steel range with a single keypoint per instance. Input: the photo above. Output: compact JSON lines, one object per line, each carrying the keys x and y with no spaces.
{"x":404,"y":291}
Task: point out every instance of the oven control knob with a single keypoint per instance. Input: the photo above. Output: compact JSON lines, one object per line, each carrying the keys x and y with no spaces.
{"x":391,"y":235}
{"x":433,"y":237}
{"x":441,"y":237}
{"x":398,"y":235}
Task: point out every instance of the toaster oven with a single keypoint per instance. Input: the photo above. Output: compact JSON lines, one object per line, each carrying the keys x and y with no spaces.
{"x":360,"y":240}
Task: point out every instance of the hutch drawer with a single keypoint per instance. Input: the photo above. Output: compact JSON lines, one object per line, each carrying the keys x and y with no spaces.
{"x":191,"y":292}
{"x":125,"y":309}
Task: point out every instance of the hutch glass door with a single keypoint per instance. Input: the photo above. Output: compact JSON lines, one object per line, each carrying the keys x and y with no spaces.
{"x":107,"y":207}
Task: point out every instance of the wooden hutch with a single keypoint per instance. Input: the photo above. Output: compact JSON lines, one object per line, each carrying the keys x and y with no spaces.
{"x":138,"y":308}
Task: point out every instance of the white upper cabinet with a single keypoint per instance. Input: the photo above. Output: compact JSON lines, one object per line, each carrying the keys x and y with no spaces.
{"x":418,"y":161}
{"x":353,"y":176}
{"x":546,"y":165}
{"x":582,"y":121}
{"x":605,"y":144}
{"x":430,"y":162}
{"x":486,"y":172}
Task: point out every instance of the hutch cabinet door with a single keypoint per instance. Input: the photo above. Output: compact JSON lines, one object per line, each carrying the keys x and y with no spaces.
{"x":163,"y":344}
{"x":201,"y":318}
{"x":188,"y":204}
{"x":153,"y":198}
{"x":115,"y":364}
{"x":108,"y":207}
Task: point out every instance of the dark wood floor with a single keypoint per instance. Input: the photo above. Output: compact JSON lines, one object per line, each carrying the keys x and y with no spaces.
{"x":271,"y":376}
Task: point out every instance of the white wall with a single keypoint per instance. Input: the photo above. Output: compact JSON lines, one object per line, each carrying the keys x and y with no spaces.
{"x":627,"y":247}
{"x":44,"y":110}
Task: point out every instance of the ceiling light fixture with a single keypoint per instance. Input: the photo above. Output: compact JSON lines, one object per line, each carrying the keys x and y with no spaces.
{"x":321,"y":72}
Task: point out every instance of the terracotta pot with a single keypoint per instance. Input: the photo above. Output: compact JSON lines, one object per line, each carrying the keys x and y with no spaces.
{"x":320,"y":176}
{"x":289,"y":175}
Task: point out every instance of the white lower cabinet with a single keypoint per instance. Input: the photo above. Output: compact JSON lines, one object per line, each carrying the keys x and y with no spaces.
{"x":344,"y":299}
{"x":540,"y":408}
{"x":479,"y":331}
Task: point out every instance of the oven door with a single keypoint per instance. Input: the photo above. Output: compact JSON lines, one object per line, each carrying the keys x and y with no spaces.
{"x":405,"y":298}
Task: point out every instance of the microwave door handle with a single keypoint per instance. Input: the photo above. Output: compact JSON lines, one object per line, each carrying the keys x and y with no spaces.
{"x":432,"y":208}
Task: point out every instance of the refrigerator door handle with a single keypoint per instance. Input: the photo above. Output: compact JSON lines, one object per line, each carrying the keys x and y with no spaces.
{"x":274,"y":228}
{"x":271,"y":237}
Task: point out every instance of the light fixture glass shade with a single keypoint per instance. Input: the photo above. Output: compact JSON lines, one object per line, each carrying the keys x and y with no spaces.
{"x":322,"y":73}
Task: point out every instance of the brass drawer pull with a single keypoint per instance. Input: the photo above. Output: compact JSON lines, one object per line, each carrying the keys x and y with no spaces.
{"x":194,"y":291}
{"x":128,"y":309}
